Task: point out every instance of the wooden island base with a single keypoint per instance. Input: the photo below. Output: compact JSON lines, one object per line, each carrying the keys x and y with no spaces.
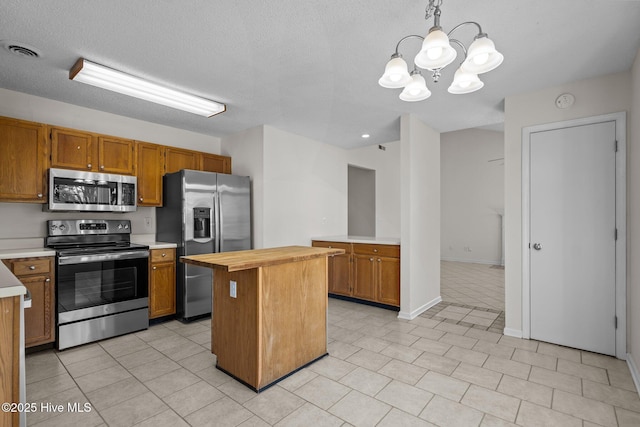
{"x":277,"y":321}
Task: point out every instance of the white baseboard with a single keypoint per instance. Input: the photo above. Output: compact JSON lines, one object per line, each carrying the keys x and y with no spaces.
{"x":418,"y":311}
{"x":516,"y":333}
{"x":472,"y":261}
{"x":634,"y":371}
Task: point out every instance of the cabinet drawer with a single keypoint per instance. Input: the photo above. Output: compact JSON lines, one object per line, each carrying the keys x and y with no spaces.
{"x":381,"y":250}
{"x":334,"y":245}
{"x":163,"y":255}
{"x":26,"y":267}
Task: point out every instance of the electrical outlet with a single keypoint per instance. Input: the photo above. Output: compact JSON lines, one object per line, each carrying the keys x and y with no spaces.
{"x":147,"y":221}
{"x":233,"y":291}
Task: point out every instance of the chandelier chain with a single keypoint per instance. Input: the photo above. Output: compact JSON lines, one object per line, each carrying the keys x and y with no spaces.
{"x":431,"y":7}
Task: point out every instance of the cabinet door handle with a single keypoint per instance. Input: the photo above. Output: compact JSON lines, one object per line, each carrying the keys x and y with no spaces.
{"x":89,"y":166}
{"x":102,"y":167}
{"x":39,"y":195}
{"x":32,"y":267}
{"x":154,"y":268}
{"x":375,"y":251}
{"x":163,"y":254}
{"x":141,"y":199}
{"x":379,"y":260}
{"x":371,"y":259}
{"x":47,"y":279}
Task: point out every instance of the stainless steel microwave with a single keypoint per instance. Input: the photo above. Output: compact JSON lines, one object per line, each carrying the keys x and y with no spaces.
{"x":71,"y":190}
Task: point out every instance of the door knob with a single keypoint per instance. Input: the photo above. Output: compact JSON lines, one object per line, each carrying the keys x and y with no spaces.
{"x":537,"y":246}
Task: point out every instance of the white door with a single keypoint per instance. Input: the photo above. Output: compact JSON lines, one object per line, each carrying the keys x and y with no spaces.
{"x":572,"y":236}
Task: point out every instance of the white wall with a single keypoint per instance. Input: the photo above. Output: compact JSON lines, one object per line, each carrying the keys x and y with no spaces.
{"x":420,"y":217}
{"x":601,"y":95}
{"x":36,"y":109}
{"x":472,"y":195}
{"x":305,"y":189}
{"x":633,"y":221}
{"x":299,"y":185}
{"x":386,"y":163}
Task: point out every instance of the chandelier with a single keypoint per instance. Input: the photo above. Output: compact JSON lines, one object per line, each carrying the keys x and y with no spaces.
{"x":436,"y":53}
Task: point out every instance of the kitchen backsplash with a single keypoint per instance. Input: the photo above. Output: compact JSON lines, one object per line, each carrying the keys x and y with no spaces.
{"x":27,"y":220}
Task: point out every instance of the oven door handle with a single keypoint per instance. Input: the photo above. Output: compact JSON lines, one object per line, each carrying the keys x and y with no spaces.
{"x":83,"y":259}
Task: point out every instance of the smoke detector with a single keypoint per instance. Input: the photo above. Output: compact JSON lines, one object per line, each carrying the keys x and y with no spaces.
{"x":20,"y":49}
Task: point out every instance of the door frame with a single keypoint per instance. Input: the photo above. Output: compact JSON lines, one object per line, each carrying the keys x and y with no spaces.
{"x":621,"y":220}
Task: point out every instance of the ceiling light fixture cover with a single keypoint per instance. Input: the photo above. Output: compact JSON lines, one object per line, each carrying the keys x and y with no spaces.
{"x":396,"y":74}
{"x":417,"y":90}
{"x":465,"y":82}
{"x":107,"y":78}
{"x":436,"y":53}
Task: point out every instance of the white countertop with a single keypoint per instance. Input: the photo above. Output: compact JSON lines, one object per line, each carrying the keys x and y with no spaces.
{"x":10,"y":286}
{"x":159,"y":245}
{"x":26,"y":252}
{"x":360,"y":239}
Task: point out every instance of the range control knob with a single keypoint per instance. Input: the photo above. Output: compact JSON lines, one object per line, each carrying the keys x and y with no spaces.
{"x":119,"y":226}
{"x":53,"y":227}
{"x":62,"y":227}
{"x":126,"y":226}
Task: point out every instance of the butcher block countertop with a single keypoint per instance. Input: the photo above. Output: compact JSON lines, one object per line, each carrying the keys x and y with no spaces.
{"x":245,"y":260}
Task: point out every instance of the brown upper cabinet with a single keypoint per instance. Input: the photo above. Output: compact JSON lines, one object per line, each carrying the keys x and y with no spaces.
{"x":216,"y":163}
{"x":73,"y":149}
{"x":149,"y":170}
{"x":179,"y":158}
{"x":28,"y":149}
{"x":24,"y":162}
{"x":115,"y":155}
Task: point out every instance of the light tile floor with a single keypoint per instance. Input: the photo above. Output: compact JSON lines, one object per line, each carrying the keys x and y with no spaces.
{"x":478,"y":285}
{"x":451,"y":366}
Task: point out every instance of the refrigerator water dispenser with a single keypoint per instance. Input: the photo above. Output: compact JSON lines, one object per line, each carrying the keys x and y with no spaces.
{"x":201,"y":223}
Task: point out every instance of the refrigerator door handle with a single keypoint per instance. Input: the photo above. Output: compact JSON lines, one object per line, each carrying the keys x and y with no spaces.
{"x":215,"y":224}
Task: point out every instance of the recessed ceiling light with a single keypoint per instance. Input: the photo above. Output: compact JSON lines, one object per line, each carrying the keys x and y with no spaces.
{"x":20,"y":49}
{"x":365,"y":135}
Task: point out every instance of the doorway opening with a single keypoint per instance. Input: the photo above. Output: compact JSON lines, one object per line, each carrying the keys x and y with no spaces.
{"x":361,"y":195}
{"x":472,"y":203}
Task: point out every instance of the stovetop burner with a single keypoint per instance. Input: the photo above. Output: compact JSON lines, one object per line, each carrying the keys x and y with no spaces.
{"x":97,"y":249}
{"x":90,"y":236}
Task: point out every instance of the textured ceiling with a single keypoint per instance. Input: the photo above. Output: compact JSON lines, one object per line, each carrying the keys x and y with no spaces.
{"x":307,"y":67}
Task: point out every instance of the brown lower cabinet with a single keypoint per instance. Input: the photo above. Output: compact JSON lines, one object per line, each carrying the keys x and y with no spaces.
{"x":37,"y":275}
{"x":369,"y":272}
{"x":10,"y":357}
{"x":162,"y":282}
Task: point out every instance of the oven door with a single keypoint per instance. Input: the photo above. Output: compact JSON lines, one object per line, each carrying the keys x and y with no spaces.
{"x":93,"y":285}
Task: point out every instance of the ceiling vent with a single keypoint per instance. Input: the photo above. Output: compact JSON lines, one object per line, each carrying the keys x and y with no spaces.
{"x":21,"y":49}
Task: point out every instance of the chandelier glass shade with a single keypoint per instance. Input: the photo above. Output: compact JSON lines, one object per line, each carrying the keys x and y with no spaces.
{"x":437,"y":52}
{"x":465,"y":82}
{"x":417,"y":90}
{"x":396,"y":74}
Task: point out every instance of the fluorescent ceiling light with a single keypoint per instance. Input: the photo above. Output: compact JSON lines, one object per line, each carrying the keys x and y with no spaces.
{"x":107,"y":78}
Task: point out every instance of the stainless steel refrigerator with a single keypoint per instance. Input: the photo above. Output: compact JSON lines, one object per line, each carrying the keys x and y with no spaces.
{"x":203,"y":212}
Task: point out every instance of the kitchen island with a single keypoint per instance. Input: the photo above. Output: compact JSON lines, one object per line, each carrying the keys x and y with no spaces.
{"x":269,"y":310}
{"x":12,"y":381}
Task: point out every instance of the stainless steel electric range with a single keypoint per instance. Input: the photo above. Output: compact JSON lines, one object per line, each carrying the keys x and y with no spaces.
{"x":101,"y":280}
